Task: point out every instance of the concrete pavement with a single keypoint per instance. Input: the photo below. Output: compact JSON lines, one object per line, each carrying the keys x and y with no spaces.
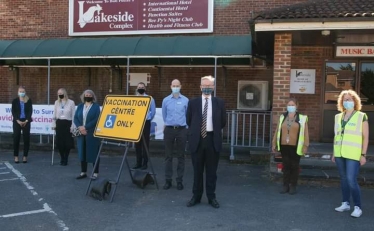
{"x":38,"y":196}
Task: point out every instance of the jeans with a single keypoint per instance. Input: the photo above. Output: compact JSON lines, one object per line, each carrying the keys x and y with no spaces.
{"x":348,"y":171}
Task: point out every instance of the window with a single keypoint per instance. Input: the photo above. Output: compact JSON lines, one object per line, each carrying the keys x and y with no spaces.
{"x":339,"y":76}
{"x":367,"y":83}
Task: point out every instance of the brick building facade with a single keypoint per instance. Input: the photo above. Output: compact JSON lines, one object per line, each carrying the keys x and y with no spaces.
{"x":43,"y":19}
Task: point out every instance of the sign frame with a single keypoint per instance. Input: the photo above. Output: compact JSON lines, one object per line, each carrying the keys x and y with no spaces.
{"x":354,"y":51}
{"x":98,"y":132}
{"x":307,"y":85}
{"x":208,"y":29}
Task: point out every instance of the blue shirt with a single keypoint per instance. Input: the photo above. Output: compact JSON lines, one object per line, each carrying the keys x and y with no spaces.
{"x":152,"y":109}
{"x":174,"y":110}
{"x":22,"y":116}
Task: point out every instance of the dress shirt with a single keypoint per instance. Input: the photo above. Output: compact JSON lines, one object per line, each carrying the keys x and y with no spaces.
{"x":64,"y":110}
{"x":152,"y":108}
{"x":174,"y":110}
{"x":22,"y":105}
{"x":209,"y":119}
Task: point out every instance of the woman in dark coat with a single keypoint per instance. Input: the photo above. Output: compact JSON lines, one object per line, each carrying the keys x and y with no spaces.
{"x":85,"y":119}
{"x":21,"y":112}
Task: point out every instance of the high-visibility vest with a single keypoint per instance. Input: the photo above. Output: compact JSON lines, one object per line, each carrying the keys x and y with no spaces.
{"x":300,"y":140}
{"x":348,"y":141}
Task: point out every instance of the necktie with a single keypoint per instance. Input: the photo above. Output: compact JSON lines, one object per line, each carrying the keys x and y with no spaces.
{"x":205,"y":113}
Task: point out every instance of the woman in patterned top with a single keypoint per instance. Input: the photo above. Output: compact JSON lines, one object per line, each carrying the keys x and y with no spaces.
{"x":62,"y":123}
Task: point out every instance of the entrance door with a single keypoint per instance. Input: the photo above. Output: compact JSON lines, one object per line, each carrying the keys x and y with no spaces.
{"x":339,"y":76}
{"x":367,"y":93}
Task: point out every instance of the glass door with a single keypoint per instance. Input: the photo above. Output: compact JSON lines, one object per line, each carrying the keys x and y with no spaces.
{"x":339,"y":76}
{"x":367,"y":93}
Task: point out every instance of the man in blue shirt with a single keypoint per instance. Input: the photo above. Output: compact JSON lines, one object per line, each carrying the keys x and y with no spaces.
{"x":141,"y":154}
{"x":174,"y":108}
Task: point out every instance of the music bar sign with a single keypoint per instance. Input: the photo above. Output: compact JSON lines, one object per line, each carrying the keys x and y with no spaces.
{"x":122,"y":17}
{"x":355,"y":51}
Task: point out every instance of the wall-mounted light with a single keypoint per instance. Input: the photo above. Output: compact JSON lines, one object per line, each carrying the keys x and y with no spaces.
{"x":325,"y":32}
{"x":11,"y":68}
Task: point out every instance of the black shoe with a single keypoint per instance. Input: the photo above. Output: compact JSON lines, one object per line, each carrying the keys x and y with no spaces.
{"x":285,"y":189}
{"x":24,"y":160}
{"x":214,"y":203}
{"x":81,"y":176}
{"x":292,"y":190}
{"x":167,"y":185}
{"x":193,"y":202}
{"x":144,"y":167}
{"x":180,"y":186}
{"x":16,"y":160}
{"x":137,"y":166}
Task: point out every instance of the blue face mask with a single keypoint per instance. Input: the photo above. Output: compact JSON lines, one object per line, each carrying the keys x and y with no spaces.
{"x":291,"y":109}
{"x":175,"y":90}
{"x":21,"y":94}
{"x":348,"y":105}
{"x":207,"y":91}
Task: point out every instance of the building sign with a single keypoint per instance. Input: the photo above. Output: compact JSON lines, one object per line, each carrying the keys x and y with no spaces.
{"x":121,"y":17}
{"x":123,"y":117}
{"x":303,"y":81}
{"x":355,"y":51}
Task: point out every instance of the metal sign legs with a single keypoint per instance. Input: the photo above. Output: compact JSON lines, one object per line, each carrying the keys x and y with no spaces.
{"x":124,"y":161}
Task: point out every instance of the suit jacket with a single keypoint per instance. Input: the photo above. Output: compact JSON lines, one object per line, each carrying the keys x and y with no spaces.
{"x":16,"y":110}
{"x":194,"y":121}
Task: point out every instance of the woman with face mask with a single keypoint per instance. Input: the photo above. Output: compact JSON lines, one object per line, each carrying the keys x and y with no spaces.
{"x":350,"y":145}
{"x":21,"y":112}
{"x":62,"y":123}
{"x":291,"y":138}
{"x":85,"y":119}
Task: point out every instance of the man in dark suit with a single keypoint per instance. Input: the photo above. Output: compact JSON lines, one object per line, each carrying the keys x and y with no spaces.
{"x":206,"y":116}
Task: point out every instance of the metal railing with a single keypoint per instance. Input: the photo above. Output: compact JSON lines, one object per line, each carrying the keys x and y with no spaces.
{"x":244,"y":129}
{"x":248,"y":129}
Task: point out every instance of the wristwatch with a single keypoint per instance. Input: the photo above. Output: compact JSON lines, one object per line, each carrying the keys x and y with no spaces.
{"x":364,"y":155}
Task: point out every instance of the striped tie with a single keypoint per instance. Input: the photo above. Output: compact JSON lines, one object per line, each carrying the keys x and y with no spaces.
{"x":205,"y":113}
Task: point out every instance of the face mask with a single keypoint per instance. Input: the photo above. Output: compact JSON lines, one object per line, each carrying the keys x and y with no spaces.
{"x":175,"y":89}
{"x":88,"y":99}
{"x":61,"y":96}
{"x":291,"y":109}
{"x":348,"y":105}
{"x":141,"y":91}
{"x":22,"y":94}
{"x":207,"y":91}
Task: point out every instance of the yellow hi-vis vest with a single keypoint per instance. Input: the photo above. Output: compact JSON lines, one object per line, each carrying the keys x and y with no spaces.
{"x":302,"y":120}
{"x":348,"y":142}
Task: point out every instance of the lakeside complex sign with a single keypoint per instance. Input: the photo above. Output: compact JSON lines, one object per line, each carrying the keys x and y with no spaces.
{"x":124,"y":17}
{"x":355,"y":51}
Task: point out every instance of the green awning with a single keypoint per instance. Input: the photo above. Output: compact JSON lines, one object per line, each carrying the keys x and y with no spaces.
{"x":175,"y":50}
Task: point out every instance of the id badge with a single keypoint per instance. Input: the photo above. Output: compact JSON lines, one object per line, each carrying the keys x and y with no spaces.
{"x":287,"y":139}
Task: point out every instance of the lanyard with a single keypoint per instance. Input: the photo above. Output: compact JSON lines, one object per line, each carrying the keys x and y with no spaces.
{"x":289,"y":123}
{"x":343,"y":126}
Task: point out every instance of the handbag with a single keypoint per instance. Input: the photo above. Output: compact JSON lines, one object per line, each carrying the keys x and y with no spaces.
{"x":76,"y":132}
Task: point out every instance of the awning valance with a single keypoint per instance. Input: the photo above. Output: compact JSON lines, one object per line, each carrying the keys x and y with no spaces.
{"x":176,"y":50}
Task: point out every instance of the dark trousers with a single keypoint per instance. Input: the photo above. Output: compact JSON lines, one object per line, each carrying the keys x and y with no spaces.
{"x":17,"y":138}
{"x":84,"y":162}
{"x":64,"y":140}
{"x":173,"y":136}
{"x":206,"y":157}
{"x":291,"y":161}
{"x":141,"y":154}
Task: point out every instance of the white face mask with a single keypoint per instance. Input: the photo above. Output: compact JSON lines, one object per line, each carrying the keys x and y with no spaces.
{"x":21,"y":94}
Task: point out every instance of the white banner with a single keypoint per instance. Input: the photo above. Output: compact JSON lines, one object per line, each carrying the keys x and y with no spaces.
{"x":42,"y":117}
